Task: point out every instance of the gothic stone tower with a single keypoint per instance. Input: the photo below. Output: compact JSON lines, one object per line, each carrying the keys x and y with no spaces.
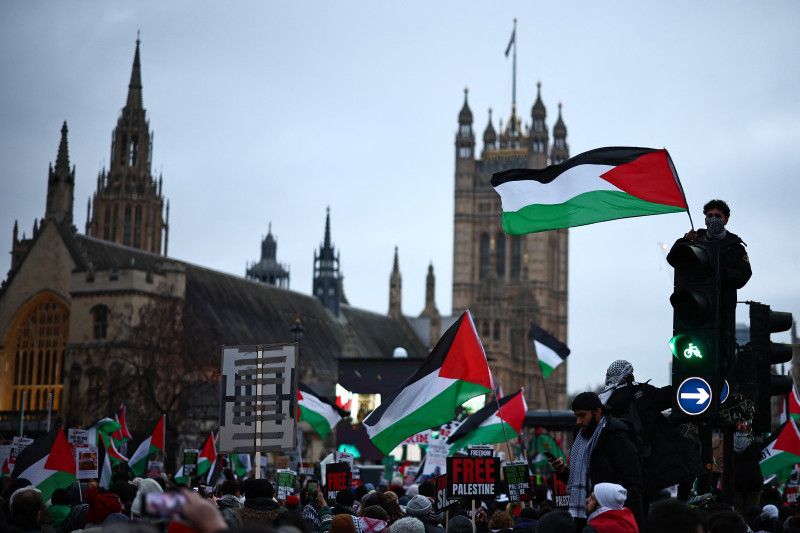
{"x":128,"y":203}
{"x":508,"y":281}
{"x":327,"y":284}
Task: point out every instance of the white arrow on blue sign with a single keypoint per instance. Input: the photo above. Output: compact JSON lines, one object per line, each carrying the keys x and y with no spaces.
{"x":694,"y":396}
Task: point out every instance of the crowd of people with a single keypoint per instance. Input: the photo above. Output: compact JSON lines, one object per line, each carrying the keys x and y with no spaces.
{"x":250,"y":506}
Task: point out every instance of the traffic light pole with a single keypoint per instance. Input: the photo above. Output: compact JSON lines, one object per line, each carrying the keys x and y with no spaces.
{"x":728,"y":465}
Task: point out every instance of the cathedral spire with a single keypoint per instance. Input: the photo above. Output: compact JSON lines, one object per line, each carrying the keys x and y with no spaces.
{"x":135,"y":86}
{"x":60,"y":184}
{"x":396,"y":289}
{"x":327,"y":243}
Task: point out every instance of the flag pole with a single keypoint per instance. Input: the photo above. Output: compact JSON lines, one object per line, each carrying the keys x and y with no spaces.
{"x":503,"y":422}
{"x":514,"y":79}
{"x":22,"y":413}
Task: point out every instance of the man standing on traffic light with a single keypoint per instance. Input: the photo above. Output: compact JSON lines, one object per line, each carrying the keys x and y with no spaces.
{"x":734,"y":265}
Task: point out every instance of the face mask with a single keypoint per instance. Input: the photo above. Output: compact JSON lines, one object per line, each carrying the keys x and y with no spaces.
{"x":715,"y":229}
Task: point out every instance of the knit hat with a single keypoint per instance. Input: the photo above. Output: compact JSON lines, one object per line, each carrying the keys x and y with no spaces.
{"x":409,"y":524}
{"x":257,"y":488}
{"x":100,"y":506}
{"x":617,"y":372}
{"x":771,"y":511}
{"x":292,"y":502}
{"x":459,"y":524}
{"x":586,"y":401}
{"x":418,"y":506}
{"x":556,"y":522}
{"x":611,"y":495}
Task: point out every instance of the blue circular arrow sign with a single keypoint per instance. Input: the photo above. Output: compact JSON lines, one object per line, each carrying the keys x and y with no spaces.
{"x":694,"y":396}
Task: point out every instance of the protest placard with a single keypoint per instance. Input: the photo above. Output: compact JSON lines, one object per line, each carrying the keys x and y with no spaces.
{"x":441,"y":502}
{"x":190,"y":462}
{"x":410,"y":475}
{"x":480,"y":450}
{"x":155,"y":468}
{"x":17,"y":445}
{"x":560,"y":494}
{"x":78,"y":437}
{"x":86,"y":463}
{"x":518,"y":479}
{"x":337,"y":477}
{"x":286,"y":479}
{"x":344,"y":457}
{"x":355,"y":477}
{"x":472,"y":477}
{"x":423,"y":437}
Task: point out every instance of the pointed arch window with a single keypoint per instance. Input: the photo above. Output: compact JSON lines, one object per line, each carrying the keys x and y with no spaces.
{"x":485,"y":251}
{"x":137,"y":227}
{"x":38,"y":342}
{"x":133,"y":151}
{"x":126,"y":231}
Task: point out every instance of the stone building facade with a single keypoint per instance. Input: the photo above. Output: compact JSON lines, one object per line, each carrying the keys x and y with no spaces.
{"x":509,"y":281}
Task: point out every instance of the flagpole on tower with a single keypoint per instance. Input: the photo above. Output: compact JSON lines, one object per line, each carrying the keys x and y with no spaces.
{"x":513,"y":42}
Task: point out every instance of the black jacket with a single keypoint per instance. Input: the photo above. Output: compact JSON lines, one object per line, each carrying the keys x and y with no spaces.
{"x":615,"y":459}
{"x":668,"y":458}
{"x":734,"y":269}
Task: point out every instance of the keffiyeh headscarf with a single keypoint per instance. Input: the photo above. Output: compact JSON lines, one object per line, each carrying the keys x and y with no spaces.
{"x":579,"y":464}
{"x":615,"y":375}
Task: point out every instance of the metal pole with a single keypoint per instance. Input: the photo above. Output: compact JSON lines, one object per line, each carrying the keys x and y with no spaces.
{"x":514,"y":79}
{"x":728,"y":465}
{"x":257,"y":436}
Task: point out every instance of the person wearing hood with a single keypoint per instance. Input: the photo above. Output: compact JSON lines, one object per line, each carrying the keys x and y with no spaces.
{"x":606,"y":510}
{"x":668,"y":458}
{"x":259,"y":504}
{"x":230,"y":498}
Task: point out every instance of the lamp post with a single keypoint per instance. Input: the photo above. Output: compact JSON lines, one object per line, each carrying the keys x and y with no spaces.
{"x":297,"y":331}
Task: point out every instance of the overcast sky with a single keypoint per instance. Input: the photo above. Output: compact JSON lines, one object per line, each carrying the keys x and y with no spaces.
{"x":272,"y":111}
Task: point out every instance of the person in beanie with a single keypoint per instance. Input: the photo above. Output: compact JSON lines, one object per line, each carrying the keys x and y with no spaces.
{"x":420,"y":507}
{"x":607,"y":512}
{"x":59,"y":506}
{"x":604,"y":451}
{"x":556,"y":522}
{"x":259,"y":504}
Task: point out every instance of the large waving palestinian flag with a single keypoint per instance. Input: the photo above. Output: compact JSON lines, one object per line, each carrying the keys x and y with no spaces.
{"x":47,"y":463}
{"x":595,"y":186}
{"x":152,"y":444}
{"x":455,"y":371}
{"x":490,"y":425}
{"x":782,"y":450}
{"x":318,"y":412}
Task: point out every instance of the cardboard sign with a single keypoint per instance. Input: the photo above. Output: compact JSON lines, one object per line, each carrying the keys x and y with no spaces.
{"x":519,"y":481}
{"x":371,"y":474}
{"x":17,"y":445}
{"x":78,"y":437}
{"x":410,"y":475}
{"x":86,"y":463}
{"x":285,"y":483}
{"x":190,"y":462}
{"x":337,"y":477}
{"x":355,"y":477}
{"x":472,"y":477}
{"x":480,"y":450}
{"x":441,"y":502}
{"x":792,"y":494}
{"x":560,"y":494}
{"x":282,"y":463}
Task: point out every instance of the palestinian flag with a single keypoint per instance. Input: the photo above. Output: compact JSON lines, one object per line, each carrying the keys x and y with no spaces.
{"x":6,"y":472}
{"x":240,"y":464}
{"x":595,"y":186}
{"x":104,"y":427}
{"x":47,"y":463}
{"x":122,"y":435}
{"x":791,"y":405}
{"x":104,"y":461}
{"x":113,"y":454}
{"x":782,"y":450}
{"x":319,"y":412}
{"x":545,"y":443}
{"x":490,"y":424}
{"x":152,"y":444}
{"x":455,"y":371}
{"x":550,"y":351}
{"x":208,"y":456}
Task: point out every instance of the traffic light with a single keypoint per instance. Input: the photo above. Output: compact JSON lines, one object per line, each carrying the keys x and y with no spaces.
{"x":763,"y":322}
{"x":698,"y":367}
